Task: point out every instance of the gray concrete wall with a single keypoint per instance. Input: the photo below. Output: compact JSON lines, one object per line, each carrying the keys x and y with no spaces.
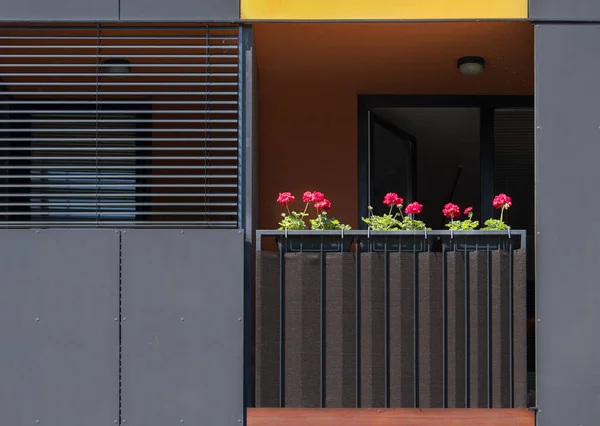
{"x":567,"y":179}
{"x":123,"y":10}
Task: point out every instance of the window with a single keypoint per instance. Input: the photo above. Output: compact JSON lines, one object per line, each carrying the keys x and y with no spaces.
{"x":77,"y":167}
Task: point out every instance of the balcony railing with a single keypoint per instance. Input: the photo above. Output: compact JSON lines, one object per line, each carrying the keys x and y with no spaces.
{"x":391,"y":319}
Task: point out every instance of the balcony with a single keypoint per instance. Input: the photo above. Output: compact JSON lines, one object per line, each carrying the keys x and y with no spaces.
{"x":364,"y":319}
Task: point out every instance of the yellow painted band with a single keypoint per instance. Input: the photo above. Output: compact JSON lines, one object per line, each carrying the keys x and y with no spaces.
{"x":382,"y":9}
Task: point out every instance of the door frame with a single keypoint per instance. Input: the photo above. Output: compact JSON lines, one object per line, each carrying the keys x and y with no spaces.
{"x":486,"y":104}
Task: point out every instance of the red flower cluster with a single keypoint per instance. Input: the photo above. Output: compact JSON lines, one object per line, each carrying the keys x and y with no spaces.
{"x":313,"y":197}
{"x":414,"y":208}
{"x":451,"y":210}
{"x":318,"y":199}
{"x":323,"y":206}
{"x":392,"y":199}
{"x":502,"y":201}
{"x":285,"y":198}
{"x":468,"y":210}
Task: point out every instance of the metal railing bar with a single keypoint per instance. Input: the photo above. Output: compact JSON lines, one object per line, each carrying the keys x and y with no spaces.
{"x":386,"y":308}
{"x":445,"y":326}
{"x":489,"y":325}
{"x":467,"y":328}
{"x":322,"y":329}
{"x":511,"y":324}
{"x":416,"y":326}
{"x":282,"y":324}
{"x":358,"y":319}
{"x":365,"y":233}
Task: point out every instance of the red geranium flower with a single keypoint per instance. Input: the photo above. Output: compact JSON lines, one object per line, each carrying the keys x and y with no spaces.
{"x":392,"y":199}
{"x":285,"y":198}
{"x":414,"y":208}
{"x":317,"y":197}
{"x":502,"y":201}
{"x":468,"y":210}
{"x":307,"y":197}
{"x":323,"y":206}
{"x":451,"y":210}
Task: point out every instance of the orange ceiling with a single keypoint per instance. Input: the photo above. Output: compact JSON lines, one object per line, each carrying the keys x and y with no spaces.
{"x":398,"y":57}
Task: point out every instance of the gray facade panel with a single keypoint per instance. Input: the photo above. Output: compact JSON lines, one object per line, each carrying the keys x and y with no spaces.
{"x":564,"y":10}
{"x":59,"y":10}
{"x":180,"y":10}
{"x":182,"y":328}
{"x":59,"y":307}
{"x":567,"y":175}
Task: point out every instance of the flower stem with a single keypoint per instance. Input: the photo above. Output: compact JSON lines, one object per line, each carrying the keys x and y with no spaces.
{"x":288,"y":209}
{"x":501,"y":213}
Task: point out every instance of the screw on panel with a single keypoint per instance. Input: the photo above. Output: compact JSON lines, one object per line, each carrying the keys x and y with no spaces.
{"x":37,"y":422}
{"x":181,"y":421}
{"x":240,"y":231}
{"x":116,"y":319}
{"x":37,"y":319}
{"x":239,"y":319}
{"x":239,"y":420}
{"x":182,"y":319}
{"x":182,"y":232}
{"x":539,"y":320}
{"x":538,"y":127}
{"x":124,"y":318}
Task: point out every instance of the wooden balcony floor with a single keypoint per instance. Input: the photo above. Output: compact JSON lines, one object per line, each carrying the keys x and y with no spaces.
{"x":389,"y":417}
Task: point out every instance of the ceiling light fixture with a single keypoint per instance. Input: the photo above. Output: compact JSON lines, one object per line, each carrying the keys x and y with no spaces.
{"x":471,"y":65}
{"x":114,"y":67}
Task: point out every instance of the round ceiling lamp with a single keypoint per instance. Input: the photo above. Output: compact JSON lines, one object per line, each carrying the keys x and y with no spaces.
{"x":116,"y":67}
{"x":471,"y":65}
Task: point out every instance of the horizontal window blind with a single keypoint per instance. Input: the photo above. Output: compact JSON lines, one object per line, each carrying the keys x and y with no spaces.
{"x":113,"y":126}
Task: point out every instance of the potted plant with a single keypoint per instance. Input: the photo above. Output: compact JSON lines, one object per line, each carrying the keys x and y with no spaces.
{"x":453,"y":212}
{"x":297,"y":221}
{"x":395,"y":220}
